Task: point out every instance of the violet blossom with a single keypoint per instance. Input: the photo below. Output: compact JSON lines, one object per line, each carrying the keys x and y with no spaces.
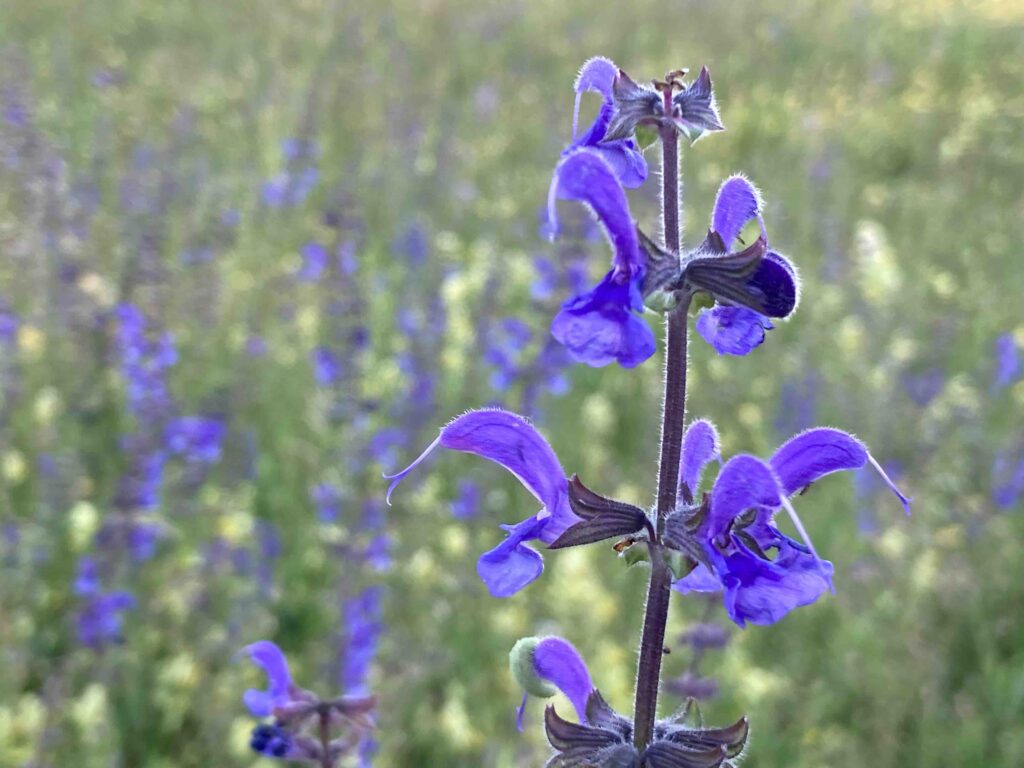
{"x":511,"y":441}
{"x":733,"y":326}
{"x":730,"y":534}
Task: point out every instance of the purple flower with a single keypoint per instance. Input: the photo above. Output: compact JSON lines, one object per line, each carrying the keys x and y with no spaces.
{"x":198,"y":439}
{"x":772,"y":290}
{"x":627,"y":161}
{"x":326,"y":366}
{"x":87,"y":580}
{"x":9,"y":324}
{"x":1007,"y":361}
{"x":327,"y":500}
{"x":314,"y":261}
{"x":544,"y":665}
{"x":1007,"y":478}
{"x":363,"y":627}
{"x":466,"y":504}
{"x":604,"y":324}
{"x":280,"y":688}
{"x":511,"y":441}
{"x":98,"y":621}
{"x":735,"y":530}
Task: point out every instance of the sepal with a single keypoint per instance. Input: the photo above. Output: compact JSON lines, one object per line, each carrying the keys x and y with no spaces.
{"x":635,"y":106}
{"x":602,"y":518}
{"x":726,"y":277}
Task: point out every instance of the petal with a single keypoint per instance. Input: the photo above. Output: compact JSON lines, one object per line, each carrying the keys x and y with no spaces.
{"x":626,"y":161}
{"x":586,"y":176}
{"x":511,"y":441}
{"x":745,"y":482}
{"x":811,"y":455}
{"x":700,"y":579}
{"x":732,"y":330}
{"x":762,"y":592}
{"x":700,"y":445}
{"x":597,"y":74}
{"x":557,"y":661}
{"x":599,"y":327}
{"x":259,"y":703}
{"x":737,"y":203}
{"x":512,"y":565}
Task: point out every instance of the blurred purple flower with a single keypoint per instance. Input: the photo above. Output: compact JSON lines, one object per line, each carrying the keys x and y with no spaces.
{"x":280,"y":689}
{"x":197,"y":439}
{"x":314,"y":261}
{"x":327,"y":500}
{"x":362,"y":627}
{"x":9,"y":324}
{"x":466,"y":504}
{"x":326,"y":366}
{"x":1008,"y":366}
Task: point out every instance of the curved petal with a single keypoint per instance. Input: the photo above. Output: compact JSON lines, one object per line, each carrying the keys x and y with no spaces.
{"x":738,"y":202}
{"x":811,"y":455}
{"x":597,"y":74}
{"x":745,"y":482}
{"x":762,"y":591}
{"x":700,"y":445}
{"x":732,"y":330}
{"x":599,"y":327}
{"x":510,"y":440}
{"x":558,"y":661}
{"x":512,"y":565}
{"x":586,"y":176}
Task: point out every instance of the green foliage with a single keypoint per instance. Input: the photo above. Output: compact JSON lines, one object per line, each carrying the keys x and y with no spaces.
{"x":885,"y":137}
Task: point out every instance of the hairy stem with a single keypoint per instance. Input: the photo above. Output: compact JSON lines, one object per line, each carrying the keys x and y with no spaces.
{"x":648,"y":677}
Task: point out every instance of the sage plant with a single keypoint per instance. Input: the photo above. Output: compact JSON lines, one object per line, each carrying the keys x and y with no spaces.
{"x":720,"y":540}
{"x":723,"y":540}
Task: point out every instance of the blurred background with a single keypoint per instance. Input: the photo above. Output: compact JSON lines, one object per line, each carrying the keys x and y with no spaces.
{"x":252,"y":255}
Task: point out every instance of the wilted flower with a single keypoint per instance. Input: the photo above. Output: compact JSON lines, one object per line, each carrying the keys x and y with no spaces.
{"x":511,"y":441}
{"x":730,"y":534}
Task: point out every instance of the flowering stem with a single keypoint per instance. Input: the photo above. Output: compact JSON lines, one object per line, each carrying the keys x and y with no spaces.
{"x":652,"y":643}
